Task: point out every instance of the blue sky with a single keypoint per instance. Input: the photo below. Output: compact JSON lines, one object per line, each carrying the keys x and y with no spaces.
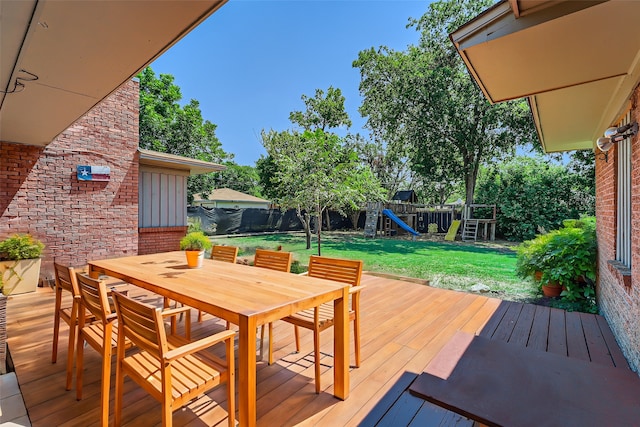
{"x":249,"y":64}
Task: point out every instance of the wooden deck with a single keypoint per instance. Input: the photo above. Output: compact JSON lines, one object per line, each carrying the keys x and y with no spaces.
{"x":404,"y":325}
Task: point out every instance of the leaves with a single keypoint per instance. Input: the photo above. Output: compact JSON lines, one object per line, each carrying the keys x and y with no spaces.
{"x":424,"y":103}
{"x":167,"y":127}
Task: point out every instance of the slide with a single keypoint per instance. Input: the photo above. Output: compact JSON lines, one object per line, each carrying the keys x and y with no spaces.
{"x":400,"y":222}
{"x":453,"y":230}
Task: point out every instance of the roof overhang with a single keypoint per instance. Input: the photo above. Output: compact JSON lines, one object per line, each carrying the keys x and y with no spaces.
{"x":67,"y":56}
{"x":171,"y":161}
{"x":577,"y":62}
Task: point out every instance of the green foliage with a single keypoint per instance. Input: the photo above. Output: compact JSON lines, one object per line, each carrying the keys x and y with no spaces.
{"x":323,"y":112}
{"x":195,"y":241}
{"x":532,"y":194}
{"x":566,"y":256}
{"x":20,"y":246}
{"x":167,"y":127}
{"x":424,"y":104}
{"x":432,"y":228}
{"x":240,"y":178}
{"x":194,"y":224}
{"x":313,"y":170}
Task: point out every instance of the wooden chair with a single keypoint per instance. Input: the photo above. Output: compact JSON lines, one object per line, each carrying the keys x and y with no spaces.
{"x":320,"y":318}
{"x":224,"y":254}
{"x":66,"y":282}
{"x":173,"y":371}
{"x":99,"y":334}
{"x":273,"y":260}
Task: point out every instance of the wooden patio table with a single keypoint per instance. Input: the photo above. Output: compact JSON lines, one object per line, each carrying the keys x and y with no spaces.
{"x":502,"y":384}
{"x":245,"y":296}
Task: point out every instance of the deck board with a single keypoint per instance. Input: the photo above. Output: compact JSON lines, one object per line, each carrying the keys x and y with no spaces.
{"x":404,"y":325}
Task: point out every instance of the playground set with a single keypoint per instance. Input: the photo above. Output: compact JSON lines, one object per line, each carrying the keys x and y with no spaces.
{"x":398,"y":218}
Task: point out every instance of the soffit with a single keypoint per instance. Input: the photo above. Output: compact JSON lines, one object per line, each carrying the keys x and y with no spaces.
{"x":578,"y":62}
{"x":171,"y":161}
{"x":80,"y":52}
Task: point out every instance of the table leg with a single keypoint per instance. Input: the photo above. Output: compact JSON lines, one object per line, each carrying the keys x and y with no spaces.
{"x":247,"y":371}
{"x":341,"y":346}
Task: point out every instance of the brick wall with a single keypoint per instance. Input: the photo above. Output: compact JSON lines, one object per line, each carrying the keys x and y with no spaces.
{"x":619,"y":294}
{"x":160,"y":239}
{"x":77,"y":220}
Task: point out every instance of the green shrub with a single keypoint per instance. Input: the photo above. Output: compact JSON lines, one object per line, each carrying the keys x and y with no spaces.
{"x":20,"y":246}
{"x":567,"y":256}
{"x":532,"y":194}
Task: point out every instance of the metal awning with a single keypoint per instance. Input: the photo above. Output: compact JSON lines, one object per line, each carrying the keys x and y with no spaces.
{"x":576,"y":61}
{"x":58,"y":59}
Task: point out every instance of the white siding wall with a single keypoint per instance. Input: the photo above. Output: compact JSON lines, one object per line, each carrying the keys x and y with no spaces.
{"x":162,"y":197}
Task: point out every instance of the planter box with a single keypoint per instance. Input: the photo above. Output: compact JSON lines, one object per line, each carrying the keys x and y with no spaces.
{"x":20,"y":276}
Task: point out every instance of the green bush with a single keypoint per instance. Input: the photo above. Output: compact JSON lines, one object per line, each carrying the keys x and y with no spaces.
{"x":531,"y":195}
{"x":20,"y":246}
{"x":567,"y":256}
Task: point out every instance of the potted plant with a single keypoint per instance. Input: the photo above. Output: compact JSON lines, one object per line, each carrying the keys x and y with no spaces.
{"x":20,"y":264}
{"x":194,"y":244}
{"x":562,"y":261}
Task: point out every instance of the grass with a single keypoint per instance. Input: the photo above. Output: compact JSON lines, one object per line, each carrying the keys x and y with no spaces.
{"x":449,"y":265}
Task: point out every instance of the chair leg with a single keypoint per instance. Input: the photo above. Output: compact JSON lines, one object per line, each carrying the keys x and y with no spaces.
{"x":73,"y":330}
{"x":79,"y":365}
{"x":56,"y":329}
{"x":297,"y":335}
{"x":117,"y":415}
{"x":199,"y":316}
{"x":356,"y":339}
{"x":270,"y":343}
{"x":231,"y":382}
{"x":105,"y":383}
{"x":316,"y":355}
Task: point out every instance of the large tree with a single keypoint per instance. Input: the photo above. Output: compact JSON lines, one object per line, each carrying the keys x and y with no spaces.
{"x":424,"y":104}
{"x":168,"y":127}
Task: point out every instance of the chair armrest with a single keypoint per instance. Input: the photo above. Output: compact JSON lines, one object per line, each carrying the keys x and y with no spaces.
{"x":175,"y":310}
{"x":198,"y":345}
{"x":356,"y":289}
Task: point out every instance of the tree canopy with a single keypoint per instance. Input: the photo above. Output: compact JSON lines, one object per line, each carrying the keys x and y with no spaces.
{"x":315,"y":169}
{"x":423,"y":103}
{"x":168,"y":127}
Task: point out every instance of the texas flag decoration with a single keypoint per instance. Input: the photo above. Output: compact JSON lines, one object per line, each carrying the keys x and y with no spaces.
{"x":94,"y":173}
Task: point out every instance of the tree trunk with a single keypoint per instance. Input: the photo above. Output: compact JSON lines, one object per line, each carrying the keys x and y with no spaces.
{"x":328,"y":220}
{"x":354,"y":216}
{"x":305,"y":219}
{"x":319,"y":227}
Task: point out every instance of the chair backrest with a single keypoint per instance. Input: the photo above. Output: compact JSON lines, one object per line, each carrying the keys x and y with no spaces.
{"x":142,"y":324}
{"x":224,"y":253}
{"x":340,"y":270}
{"x":94,"y":296}
{"x":273,"y":260}
{"x":66,"y":279}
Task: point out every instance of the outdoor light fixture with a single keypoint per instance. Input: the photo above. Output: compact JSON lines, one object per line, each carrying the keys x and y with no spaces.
{"x":613,"y":135}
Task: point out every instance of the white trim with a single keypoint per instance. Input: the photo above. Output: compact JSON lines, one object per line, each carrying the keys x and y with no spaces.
{"x":623,"y":211}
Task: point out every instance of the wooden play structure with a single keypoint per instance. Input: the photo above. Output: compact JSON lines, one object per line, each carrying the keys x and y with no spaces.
{"x":472,"y":224}
{"x":396,"y":218}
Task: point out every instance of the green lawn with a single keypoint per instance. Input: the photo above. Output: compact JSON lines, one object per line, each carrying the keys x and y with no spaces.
{"x":450,"y":265}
